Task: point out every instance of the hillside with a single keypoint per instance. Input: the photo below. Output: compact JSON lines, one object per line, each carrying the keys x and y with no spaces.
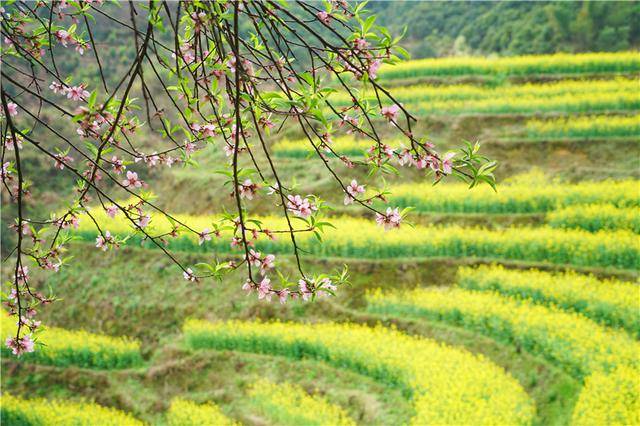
{"x":567,"y":204}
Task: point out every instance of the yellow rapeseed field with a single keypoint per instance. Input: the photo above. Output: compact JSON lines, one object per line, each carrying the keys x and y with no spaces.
{"x":565,"y":96}
{"x":559,"y":63}
{"x":187,"y":413}
{"x":65,"y":347}
{"x":609,"y":399}
{"x":289,"y":405}
{"x":359,"y":238}
{"x":515,"y":197}
{"x":611,"y":302}
{"x":595,"y":217}
{"x":346,"y":145}
{"x":578,"y":344}
{"x":43,"y":412}
{"x":449,"y":385}
{"x":466,"y":92}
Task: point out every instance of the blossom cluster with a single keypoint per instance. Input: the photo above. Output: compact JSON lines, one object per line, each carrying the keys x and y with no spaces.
{"x":225,"y":97}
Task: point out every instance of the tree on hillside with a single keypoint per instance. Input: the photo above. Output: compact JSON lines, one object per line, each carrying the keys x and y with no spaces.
{"x":226,"y":74}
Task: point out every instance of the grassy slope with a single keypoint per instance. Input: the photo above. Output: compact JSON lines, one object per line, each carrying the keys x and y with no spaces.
{"x":197,"y":189}
{"x":109,"y":295}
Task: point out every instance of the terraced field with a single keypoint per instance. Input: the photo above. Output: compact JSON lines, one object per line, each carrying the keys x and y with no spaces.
{"x":515,"y":307}
{"x":533,"y":65}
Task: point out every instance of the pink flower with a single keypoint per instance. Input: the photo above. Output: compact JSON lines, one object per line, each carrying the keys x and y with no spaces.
{"x":273,"y":189}
{"x":373,"y":69}
{"x":267,"y":263}
{"x":5,"y":172}
{"x":132,"y":180}
{"x":13,"y":109}
{"x":433,"y":162}
{"x":236,"y":242}
{"x":26,"y":229}
{"x":203,"y":236}
{"x":264,"y":289}
{"x":208,"y":130}
{"x":143,"y":221}
{"x":247,"y":286}
{"x":22,"y":274}
{"x":189,"y":275}
{"x":58,"y":88}
{"x":88,"y":128}
{"x":49,"y":265}
{"x":323,"y":17}
{"x":247,"y":189}
{"x":111,"y":211}
{"x":360,"y":43}
{"x":405,"y":157}
{"x":391,"y":112}
{"x":80,"y":47}
{"x":421,"y":162}
{"x":232,"y":64}
{"x":353,"y":190}
{"x":189,"y":148}
{"x":63,"y":37}
{"x":229,"y":149}
{"x":389,"y":220}
{"x":19,"y":346}
{"x":299,"y":206}
{"x":152,"y":160}
{"x":282,"y":295}
{"x":73,"y":221}
{"x":254,"y":257}
{"x":8,"y":142}
{"x":102,"y":242}
{"x":326,"y":283}
{"x":118,"y":165}
{"x":304,"y":289}
{"x":77,"y":93}
{"x":187,"y":53}
{"x":447,"y":162}
{"x":61,"y":160}
{"x":265,"y":123}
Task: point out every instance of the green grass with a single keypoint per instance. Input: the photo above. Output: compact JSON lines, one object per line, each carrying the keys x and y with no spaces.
{"x":153,"y":309}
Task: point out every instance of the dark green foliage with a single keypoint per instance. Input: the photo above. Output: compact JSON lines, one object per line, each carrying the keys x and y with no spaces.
{"x":512,"y":28}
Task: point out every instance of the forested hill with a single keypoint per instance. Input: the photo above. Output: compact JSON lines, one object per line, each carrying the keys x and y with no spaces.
{"x":444,"y":28}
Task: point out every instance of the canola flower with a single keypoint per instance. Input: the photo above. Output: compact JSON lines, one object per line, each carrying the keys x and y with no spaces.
{"x":65,"y":347}
{"x":347,"y":145}
{"x":584,"y":127}
{"x":448,"y":385}
{"x":566,"y":96}
{"x":595,"y":217}
{"x":609,"y":399}
{"x":42,"y":412}
{"x":610,"y":302}
{"x":287,"y":404}
{"x":559,"y":63}
{"x":516,"y":197}
{"x":531,"y":104}
{"x":187,"y":413}
{"x":569,"y":339}
{"x":422,"y":93}
{"x":359,"y":238}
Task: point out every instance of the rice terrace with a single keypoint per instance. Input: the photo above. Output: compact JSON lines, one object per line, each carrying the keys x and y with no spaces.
{"x":325,"y":213}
